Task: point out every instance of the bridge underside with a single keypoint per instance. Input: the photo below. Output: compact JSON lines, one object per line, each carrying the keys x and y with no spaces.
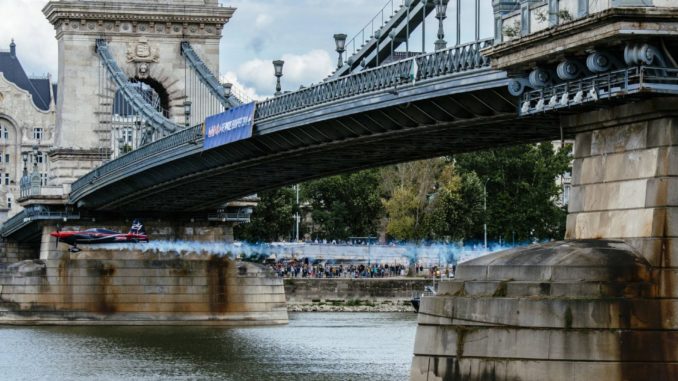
{"x":202,"y":180}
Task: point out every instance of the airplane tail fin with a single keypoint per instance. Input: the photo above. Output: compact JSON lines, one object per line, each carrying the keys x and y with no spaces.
{"x":137,"y":227}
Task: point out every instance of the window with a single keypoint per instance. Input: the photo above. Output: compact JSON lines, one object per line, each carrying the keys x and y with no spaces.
{"x":6,"y":158}
{"x":43,"y":179}
{"x":37,"y":133}
{"x":6,"y":178}
{"x":127,"y":136}
{"x":40,"y":157}
{"x":4,"y":131}
{"x":9,"y":203}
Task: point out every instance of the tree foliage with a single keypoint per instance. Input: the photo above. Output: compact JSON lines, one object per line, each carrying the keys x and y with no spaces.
{"x":521,"y":190}
{"x":272,"y":219}
{"x":437,"y":199}
{"x":407,"y":188}
{"x":346,"y":205}
{"x":456,"y":211}
{"x":402,"y":209}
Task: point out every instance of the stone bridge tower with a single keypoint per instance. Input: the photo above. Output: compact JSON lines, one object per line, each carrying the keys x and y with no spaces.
{"x":144,"y":37}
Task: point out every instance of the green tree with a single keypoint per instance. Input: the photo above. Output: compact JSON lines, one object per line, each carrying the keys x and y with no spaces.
{"x":407,"y":189}
{"x":456,"y":210}
{"x":345,"y":205}
{"x":401,"y":209}
{"x":521,"y":190}
{"x":272,"y":219}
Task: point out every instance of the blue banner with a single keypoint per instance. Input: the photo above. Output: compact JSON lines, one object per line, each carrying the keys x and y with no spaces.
{"x":230,"y":126}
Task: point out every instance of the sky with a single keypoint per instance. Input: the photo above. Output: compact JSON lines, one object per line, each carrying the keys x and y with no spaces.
{"x":296,"y":31}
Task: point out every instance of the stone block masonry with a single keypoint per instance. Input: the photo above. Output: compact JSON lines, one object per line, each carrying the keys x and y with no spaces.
{"x":601,"y":306}
{"x":135,"y":288}
{"x":346,"y":294}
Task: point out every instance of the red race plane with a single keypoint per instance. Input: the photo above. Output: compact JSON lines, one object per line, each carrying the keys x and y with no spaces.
{"x":137,"y":233}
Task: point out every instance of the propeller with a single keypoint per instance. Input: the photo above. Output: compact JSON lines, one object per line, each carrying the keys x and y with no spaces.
{"x":56,"y":246}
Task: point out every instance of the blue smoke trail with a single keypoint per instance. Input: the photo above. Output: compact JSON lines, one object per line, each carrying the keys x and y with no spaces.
{"x":438,"y":253}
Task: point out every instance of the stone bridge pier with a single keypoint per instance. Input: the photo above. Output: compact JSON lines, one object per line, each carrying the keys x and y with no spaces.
{"x":141,"y":284}
{"x":601,"y":305}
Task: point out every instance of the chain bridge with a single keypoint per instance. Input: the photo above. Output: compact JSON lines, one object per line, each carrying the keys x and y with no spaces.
{"x":381,"y":106}
{"x":601,"y":305}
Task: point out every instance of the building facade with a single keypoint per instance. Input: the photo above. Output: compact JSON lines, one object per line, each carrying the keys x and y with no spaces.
{"x":27,"y":121}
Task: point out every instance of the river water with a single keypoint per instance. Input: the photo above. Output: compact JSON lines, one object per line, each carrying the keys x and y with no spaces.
{"x":314,"y":346}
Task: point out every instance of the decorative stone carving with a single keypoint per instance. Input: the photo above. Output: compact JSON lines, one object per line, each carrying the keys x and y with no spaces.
{"x":1,"y":97}
{"x":142,"y":51}
{"x":142,"y":70}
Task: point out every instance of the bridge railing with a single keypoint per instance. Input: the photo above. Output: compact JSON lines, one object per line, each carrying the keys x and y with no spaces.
{"x":26,"y":216}
{"x":186,"y":136}
{"x":378,"y":21}
{"x":427,"y":66}
{"x":604,"y":86}
{"x":229,"y":217}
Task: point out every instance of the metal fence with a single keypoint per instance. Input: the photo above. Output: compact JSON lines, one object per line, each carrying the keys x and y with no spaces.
{"x":599,"y":87}
{"x":26,"y":216}
{"x":191,"y":135}
{"x":376,"y":23}
{"x":229,"y":217}
{"x":441,"y":63}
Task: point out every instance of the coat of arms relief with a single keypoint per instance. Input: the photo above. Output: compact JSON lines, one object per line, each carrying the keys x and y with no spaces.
{"x":143,"y":54}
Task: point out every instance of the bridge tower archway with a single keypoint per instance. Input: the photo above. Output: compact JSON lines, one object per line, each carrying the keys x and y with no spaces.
{"x":144,"y":38}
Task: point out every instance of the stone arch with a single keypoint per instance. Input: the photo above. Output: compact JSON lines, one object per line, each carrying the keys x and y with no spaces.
{"x":176,"y":94}
{"x":159,"y":89}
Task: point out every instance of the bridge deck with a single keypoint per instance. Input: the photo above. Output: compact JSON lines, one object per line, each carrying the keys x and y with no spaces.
{"x":431,"y":118}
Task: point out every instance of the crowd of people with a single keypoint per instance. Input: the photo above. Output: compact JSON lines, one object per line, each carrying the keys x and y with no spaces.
{"x":307,"y":269}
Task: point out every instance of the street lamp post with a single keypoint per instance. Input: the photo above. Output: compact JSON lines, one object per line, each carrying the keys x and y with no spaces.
{"x":24,"y":157}
{"x":377,"y":35}
{"x":228,"y":88}
{"x":297,"y":217}
{"x":485,"y":213}
{"x":35,"y":176}
{"x":392,"y":36}
{"x":441,"y":10}
{"x":408,"y":4}
{"x":278,"y":67}
{"x":423,"y":26}
{"x":340,"y":41}
{"x":187,"y":113}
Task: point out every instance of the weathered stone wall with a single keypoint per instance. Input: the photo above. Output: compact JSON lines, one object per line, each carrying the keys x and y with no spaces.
{"x":624,"y":178}
{"x":395,"y":290}
{"x":126,"y":288}
{"x":13,"y":252}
